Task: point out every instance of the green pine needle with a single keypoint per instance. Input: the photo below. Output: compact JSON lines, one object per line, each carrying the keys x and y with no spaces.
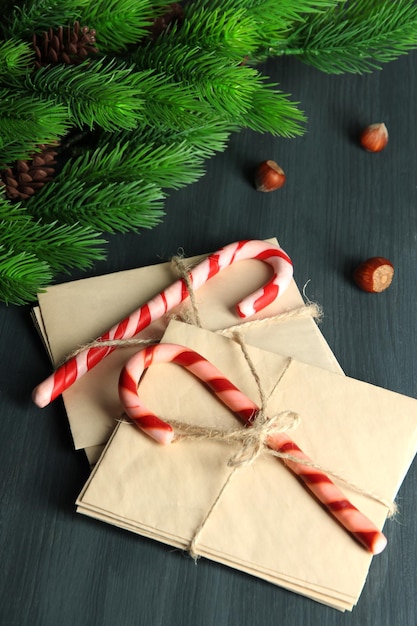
{"x":357,"y":37}
{"x":207,"y":137}
{"x":36,"y":16}
{"x":231,"y":90}
{"x":170,"y":104}
{"x":31,"y":252}
{"x":167,"y":165}
{"x":22,"y":276}
{"x":104,"y":207}
{"x":97,"y":93}
{"x":26,"y":122}
{"x":272,"y":112}
{"x":288,"y":9}
{"x":65,"y":247}
{"x":120,"y":23}
{"x":223,"y":85}
{"x":204,"y":137}
{"x":232,"y":33}
{"x":15,"y":56}
{"x":270,"y":21}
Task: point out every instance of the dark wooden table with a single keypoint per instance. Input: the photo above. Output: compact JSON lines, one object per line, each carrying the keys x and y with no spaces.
{"x":339,"y":205}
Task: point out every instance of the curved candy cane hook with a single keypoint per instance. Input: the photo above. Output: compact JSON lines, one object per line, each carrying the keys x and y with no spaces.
{"x":156,"y":428}
{"x":319,"y":484}
{"x":162,"y":303}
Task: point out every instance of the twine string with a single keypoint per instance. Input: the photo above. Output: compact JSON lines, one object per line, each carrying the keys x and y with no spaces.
{"x":183,"y":272}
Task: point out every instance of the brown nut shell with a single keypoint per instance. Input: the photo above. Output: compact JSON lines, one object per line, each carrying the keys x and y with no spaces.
{"x":374,"y":275}
{"x":269,"y":176}
{"x":374,"y":138}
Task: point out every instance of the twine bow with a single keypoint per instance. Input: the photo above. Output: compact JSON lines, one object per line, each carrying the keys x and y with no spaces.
{"x":252,"y":440}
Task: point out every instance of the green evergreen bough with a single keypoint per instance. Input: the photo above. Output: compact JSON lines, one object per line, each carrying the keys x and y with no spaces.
{"x":131,"y":113}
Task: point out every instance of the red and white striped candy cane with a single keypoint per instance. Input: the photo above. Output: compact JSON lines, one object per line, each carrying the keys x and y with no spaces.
{"x":165,"y":301}
{"x":319,"y":484}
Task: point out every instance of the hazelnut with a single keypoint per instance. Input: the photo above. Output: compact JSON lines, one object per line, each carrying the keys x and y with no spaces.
{"x":374,"y":275}
{"x":269,"y":176}
{"x":374,"y":138}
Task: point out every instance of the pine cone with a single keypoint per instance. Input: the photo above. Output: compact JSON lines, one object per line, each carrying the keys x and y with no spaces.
{"x":174,"y":14}
{"x":66,"y":45}
{"x":23,"y":179}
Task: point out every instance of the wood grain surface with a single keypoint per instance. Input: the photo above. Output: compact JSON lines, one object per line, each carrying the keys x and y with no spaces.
{"x":339,"y":206}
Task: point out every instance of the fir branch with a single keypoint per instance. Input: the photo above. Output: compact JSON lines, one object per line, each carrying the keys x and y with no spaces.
{"x":288,"y":8}
{"x":35,"y":16}
{"x":15,"y":56}
{"x":60,"y":246}
{"x":22,"y":276}
{"x":22,"y":273}
{"x":105,"y":207}
{"x":225,"y":86}
{"x":272,"y":112}
{"x":120,"y":23}
{"x":230,"y":32}
{"x":169,"y":104}
{"x":168,"y":165}
{"x":269,"y":21}
{"x":31,"y":251}
{"x":357,"y":37}
{"x":97,"y":93}
{"x":27,"y":122}
{"x":205,"y":138}
{"x":228,"y":88}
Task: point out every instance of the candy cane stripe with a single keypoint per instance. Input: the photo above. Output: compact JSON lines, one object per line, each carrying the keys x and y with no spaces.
{"x":288,"y":447}
{"x":219,"y":385}
{"x":151,"y":421}
{"x":93,"y":357}
{"x":213,"y":266}
{"x":121,"y":329}
{"x":315,"y":478}
{"x":241,"y":245}
{"x":262,"y":256}
{"x":186,"y":358}
{"x":269,"y":295}
{"x":341,"y":505}
{"x":144,"y":319}
{"x":68,"y":374}
{"x":165,"y":301}
{"x":128,"y":382}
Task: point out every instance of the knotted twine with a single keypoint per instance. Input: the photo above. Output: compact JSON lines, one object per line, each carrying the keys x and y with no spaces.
{"x":253,"y":440}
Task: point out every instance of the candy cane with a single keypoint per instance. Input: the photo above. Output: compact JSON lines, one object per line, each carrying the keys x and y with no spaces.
{"x":320,"y":485}
{"x":163,"y":302}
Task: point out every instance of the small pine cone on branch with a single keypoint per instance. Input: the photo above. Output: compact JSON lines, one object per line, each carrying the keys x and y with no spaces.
{"x":24,"y":178}
{"x":174,"y":14}
{"x":67,"y":45}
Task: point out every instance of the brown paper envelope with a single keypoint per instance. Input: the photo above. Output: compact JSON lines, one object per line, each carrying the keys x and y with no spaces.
{"x":265,"y":523}
{"x":339,"y":601}
{"x":77,"y":312}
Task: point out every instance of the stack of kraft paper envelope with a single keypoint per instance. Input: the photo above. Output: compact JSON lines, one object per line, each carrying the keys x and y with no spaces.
{"x":265,"y":522}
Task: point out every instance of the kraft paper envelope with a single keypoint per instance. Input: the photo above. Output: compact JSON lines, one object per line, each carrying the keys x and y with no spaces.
{"x":265,"y":523}
{"x":74,"y":313}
